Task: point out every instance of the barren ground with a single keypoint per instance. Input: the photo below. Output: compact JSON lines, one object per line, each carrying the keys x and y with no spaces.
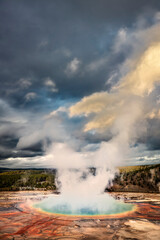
{"x":19,"y":221}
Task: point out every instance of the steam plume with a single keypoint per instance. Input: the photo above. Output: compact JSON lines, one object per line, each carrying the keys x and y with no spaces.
{"x":123,"y":111}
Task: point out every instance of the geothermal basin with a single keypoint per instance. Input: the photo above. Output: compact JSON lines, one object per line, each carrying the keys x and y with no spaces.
{"x":99,"y":205}
{"x":22,"y":218}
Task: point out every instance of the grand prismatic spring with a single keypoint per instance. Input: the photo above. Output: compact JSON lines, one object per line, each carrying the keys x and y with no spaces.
{"x":21,"y":220}
{"x":97,"y":206}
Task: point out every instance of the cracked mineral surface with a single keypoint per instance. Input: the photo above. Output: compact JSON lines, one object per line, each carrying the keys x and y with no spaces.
{"x":19,"y":220}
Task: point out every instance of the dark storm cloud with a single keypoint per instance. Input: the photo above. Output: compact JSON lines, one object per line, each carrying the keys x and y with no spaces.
{"x":153,"y":134}
{"x":39,"y":38}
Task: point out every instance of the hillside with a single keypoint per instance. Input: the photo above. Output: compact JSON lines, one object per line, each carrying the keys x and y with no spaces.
{"x":137,"y":179}
{"x":129,"y":179}
{"x":27,"y":180}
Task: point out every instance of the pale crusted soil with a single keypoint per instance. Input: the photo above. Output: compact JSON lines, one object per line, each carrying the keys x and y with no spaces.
{"x":17,"y":222}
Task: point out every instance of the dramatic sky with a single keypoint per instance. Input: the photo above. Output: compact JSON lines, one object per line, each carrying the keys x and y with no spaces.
{"x":71,"y":71}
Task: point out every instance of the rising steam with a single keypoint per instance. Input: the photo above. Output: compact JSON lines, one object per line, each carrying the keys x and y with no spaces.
{"x":123,"y":111}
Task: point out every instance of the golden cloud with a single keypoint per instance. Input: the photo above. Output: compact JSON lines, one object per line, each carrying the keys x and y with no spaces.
{"x":146,"y":73}
{"x":139,"y":82}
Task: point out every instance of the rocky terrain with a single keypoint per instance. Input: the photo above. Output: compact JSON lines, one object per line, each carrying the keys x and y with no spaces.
{"x":19,"y":220}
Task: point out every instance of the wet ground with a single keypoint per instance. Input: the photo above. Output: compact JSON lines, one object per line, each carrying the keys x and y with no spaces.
{"x":18,"y":220}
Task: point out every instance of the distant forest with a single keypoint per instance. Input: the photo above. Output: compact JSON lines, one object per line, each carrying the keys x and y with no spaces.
{"x":137,"y":179}
{"x":15,"y":180}
{"x":128,"y":179}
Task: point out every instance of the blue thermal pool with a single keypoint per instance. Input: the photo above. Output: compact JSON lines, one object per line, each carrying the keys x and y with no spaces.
{"x":99,"y":205}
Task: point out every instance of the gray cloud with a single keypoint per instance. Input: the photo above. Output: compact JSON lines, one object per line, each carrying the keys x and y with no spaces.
{"x":54,"y":53}
{"x":38,"y":40}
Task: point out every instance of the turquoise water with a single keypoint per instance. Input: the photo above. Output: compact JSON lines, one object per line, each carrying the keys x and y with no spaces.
{"x":101,"y":205}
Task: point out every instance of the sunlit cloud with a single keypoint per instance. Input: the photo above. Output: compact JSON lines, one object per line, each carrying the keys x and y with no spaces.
{"x":104,"y":108}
